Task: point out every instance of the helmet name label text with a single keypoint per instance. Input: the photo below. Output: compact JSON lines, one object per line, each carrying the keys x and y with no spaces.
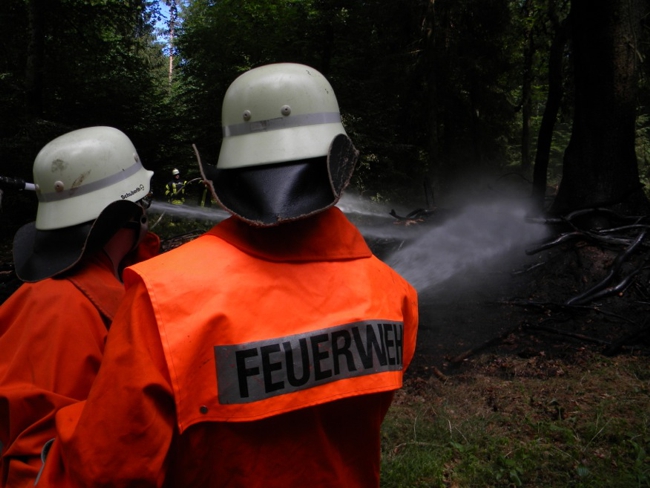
{"x":133,"y":192}
{"x":263,"y":369}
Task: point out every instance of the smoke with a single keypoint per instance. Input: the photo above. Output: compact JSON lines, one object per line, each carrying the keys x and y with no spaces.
{"x":476,"y":236}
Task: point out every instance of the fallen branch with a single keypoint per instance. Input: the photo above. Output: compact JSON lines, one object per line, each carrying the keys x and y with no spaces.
{"x":438,"y":374}
{"x":586,"y":211}
{"x":623,"y":228}
{"x":151,"y":227}
{"x":614,"y":290}
{"x":567,"y":236}
{"x":470,"y":352}
{"x":566,"y":308}
{"x":528,"y":269}
{"x":596,"y":290}
{"x":567,"y":334}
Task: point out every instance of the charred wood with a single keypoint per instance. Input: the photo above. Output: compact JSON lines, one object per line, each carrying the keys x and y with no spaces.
{"x":599,"y":290}
{"x":528,"y":269}
{"x":416,"y":216}
{"x":586,"y":212}
{"x":573,"y":335}
{"x":475,"y":350}
{"x":580,"y":235}
{"x":623,"y":228}
{"x":554,"y":242}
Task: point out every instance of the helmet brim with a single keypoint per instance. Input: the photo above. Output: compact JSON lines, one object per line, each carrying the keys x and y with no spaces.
{"x":40,"y":254}
{"x":268,"y":195}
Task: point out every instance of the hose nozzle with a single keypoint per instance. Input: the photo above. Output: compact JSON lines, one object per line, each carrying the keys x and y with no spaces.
{"x":17,"y":183}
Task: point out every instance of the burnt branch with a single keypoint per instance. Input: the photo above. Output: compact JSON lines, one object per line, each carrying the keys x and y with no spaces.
{"x":554,"y":242}
{"x":564,"y":333}
{"x":599,"y":290}
{"x":470,"y":352}
{"x":585,"y":212}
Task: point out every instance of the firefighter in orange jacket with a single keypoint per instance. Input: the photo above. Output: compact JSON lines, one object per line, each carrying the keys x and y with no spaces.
{"x":282,"y":374}
{"x":52,"y":329}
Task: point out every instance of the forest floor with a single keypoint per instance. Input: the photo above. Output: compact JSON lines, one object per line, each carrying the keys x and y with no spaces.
{"x":535,"y":373}
{"x":516,"y":342}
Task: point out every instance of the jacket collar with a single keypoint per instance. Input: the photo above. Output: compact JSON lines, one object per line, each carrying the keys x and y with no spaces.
{"x":326,"y":236}
{"x":95,"y":279}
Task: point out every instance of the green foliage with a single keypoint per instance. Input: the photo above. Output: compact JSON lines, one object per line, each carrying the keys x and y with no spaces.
{"x":99,"y":67}
{"x":430,"y":92}
{"x":588,"y":429}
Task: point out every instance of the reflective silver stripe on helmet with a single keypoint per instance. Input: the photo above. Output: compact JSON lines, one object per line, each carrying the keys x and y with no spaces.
{"x":281,"y":123}
{"x":90,"y":187}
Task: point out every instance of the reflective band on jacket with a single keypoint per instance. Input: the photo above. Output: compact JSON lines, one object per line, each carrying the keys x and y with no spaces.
{"x":281,"y":123}
{"x":94,"y":186}
{"x":263,"y":369}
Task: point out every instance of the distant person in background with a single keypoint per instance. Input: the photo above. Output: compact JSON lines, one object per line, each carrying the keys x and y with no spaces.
{"x":205,"y":195}
{"x":90,"y":224}
{"x":175,"y":189}
{"x":266,"y":352}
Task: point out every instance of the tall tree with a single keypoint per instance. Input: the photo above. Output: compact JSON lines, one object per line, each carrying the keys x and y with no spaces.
{"x":559,"y":28}
{"x":469,"y":74}
{"x":35,"y":57}
{"x":173,"y":19}
{"x":527,"y":81}
{"x":74,"y":63}
{"x":600,"y":165}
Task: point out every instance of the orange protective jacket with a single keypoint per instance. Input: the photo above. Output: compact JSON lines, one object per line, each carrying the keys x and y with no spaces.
{"x":247,"y":357}
{"x":52,"y":336}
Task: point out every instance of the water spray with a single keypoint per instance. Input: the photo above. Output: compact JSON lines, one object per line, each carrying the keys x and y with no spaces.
{"x":430,"y":253}
{"x":470,"y":239}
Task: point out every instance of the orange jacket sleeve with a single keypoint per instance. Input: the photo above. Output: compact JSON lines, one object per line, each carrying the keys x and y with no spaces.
{"x":132,"y":391}
{"x":51,"y":343}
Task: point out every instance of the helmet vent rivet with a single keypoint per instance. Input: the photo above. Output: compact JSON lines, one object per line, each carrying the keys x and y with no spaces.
{"x":246,"y":115}
{"x":59,"y":186}
{"x":286,"y":110}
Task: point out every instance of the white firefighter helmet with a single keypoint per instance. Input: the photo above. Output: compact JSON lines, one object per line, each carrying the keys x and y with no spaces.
{"x":175,"y":172}
{"x":79,"y":173}
{"x":88,"y":181}
{"x":285,"y":154}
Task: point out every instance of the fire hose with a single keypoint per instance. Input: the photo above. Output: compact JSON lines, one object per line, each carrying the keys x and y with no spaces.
{"x":15,"y":183}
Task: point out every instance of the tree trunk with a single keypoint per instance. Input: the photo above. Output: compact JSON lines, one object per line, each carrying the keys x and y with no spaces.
{"x":553,"y":101}
{"x":429,"y":64}
{"x":34,"y":62}
{"x":600,"y":166}
{"x":173,"y":16}
{"x":526,"y":99}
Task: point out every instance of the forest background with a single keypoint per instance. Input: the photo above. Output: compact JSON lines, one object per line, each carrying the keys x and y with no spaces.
{"x":447,"y":100}
{"x":433,"y":93}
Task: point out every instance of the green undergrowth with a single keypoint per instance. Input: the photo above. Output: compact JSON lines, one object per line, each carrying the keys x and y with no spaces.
{"x":518,"y":422}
